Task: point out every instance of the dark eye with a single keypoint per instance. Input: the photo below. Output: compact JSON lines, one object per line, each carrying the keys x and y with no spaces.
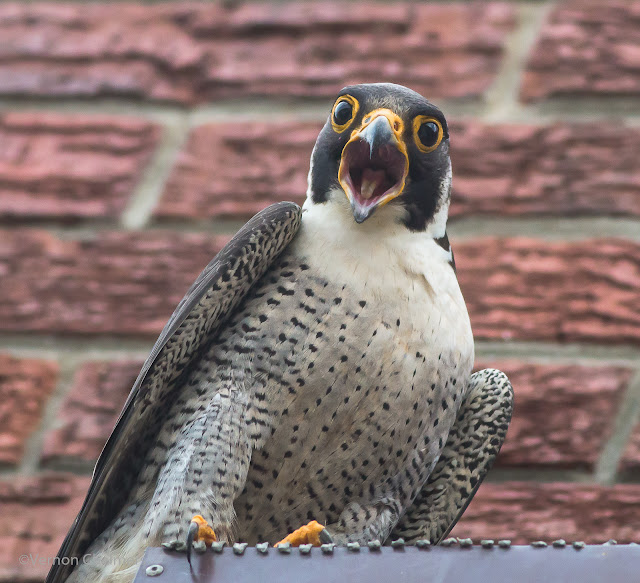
{"x":427,"y":133}
{"x":344,"y":110}
{"x":342,"y":113}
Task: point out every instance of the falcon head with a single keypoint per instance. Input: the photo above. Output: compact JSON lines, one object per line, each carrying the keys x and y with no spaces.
{"x":384,"y":146}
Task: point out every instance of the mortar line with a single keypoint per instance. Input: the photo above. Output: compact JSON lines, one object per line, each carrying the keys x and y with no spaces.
{"x":460,"y":229}
{"x":502,"y":98}
{"x":469,"y":227}
{"x":625,"y":421}
{"x":149,"y":190}
{"x":85,"y":349}
{"x":553,"y":353}
{"x":544,"y":228}
{"x":124,"y":107}
{"x":243,"y":109}
{"x":30,"y":462}
{"x":500,"y":475}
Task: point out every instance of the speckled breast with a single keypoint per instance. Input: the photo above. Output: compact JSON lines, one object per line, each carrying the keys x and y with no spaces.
{"x":351,"y":400}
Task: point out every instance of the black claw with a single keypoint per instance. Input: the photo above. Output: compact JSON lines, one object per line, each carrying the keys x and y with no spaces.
{"x":325,"y":537}
{"x":193,"y":529}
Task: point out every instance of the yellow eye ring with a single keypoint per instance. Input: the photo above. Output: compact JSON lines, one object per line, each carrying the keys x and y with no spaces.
{"x":340,"y":127}
{"x":418,"y":123}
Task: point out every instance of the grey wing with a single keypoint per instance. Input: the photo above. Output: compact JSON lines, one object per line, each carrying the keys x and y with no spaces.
{"x":209,"y":302}
{"x":472,"y":446}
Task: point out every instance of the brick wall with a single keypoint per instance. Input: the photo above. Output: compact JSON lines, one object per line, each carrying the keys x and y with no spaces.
{"x":135,"y":138}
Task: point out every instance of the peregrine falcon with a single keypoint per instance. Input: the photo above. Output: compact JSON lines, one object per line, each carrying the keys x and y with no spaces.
{"x":317,"y":371}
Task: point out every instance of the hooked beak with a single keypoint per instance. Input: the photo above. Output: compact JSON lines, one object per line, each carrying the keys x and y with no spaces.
{"x":374,"y":164}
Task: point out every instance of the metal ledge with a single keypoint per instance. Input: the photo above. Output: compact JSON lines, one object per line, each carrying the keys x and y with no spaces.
{"x":409,"y":564}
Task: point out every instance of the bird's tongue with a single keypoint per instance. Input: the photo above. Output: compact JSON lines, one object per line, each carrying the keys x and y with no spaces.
{"x":371,"y":179}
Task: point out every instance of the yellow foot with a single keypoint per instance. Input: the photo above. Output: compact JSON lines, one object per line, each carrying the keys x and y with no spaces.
{"x":203,"y":531}
{"x":313,"y":533}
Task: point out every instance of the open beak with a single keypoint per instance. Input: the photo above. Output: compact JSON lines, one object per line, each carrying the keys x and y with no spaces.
{"x":374,"y":163}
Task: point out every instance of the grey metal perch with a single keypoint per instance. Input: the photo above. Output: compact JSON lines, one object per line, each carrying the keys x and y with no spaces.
{"x":410,"y":564}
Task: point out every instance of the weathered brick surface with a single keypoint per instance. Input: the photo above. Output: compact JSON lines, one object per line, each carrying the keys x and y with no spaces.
{"x":191,"y":52}
{"x":68,"y":167}
{"x":116,"y":283}
{"x":586,"y":48}
{"x":129,"y":283}
{"x":560,"y":169}
{"x":35,"y":515}
{"x":528,"y":511}
{"x":526,"y":289}
{"x":236,"y":169}
{"x":630,"y":461}
{"x":25,"y":386}
{"x":90,"y":410}
{"x":563,"y":414}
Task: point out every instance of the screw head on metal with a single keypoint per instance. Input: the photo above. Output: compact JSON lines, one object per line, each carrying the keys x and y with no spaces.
{"x":374,"y":545}
{"x":217,"y":546}
{"x":262,"y":548}
{"x":154,"y":570}
{"x":305,"y":549}
{"x":327,"y":548}
{"x":199,"y":546}
{"x":284,"y":548}
{"x":238,"y":548}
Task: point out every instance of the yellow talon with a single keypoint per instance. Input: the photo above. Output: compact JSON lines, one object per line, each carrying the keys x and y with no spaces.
{"x":204,"y":532}
{"x":307,"y":534}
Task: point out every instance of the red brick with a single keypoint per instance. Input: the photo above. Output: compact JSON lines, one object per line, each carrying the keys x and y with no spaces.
{"x":630,"y":461}
{"x":234,"y":170}
{"x":125,"y":284}
{"x":560,"y":169}
{"x":586,"y":48}
{"x":527,"y":289}
{"x":90,"y":410}
{"x":129,"y":283}
{"x":528,"y":511}
{"x":191,"y":52}
{"x":563,"y":414}
{"x":70,"y":166}
{"x":36,"y":513}
{"x":25,"y":386}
